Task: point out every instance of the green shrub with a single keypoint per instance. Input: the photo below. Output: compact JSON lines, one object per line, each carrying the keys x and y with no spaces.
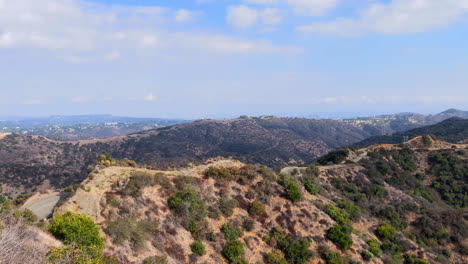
{"x":386,"y":231}
{"x":256,"y":208}
{"x":451,"y":182}
{"x":337,"y":214}
{"x":366,"y":255}
{"x":374,"y":247}
{"x":353,"y":211}
{"x":411,"y":259}
{"x":231,"y":231}
{"x":312,"y":171}
{"x":296,"y":250}
{"x":310,"y":186}
{"x":28,"y":216}
{"x":275,"y":257}
{"x":293,"y":193}
{"x":155,"y":260}
{"x":333,"y":258}
{"x":221,"y":173}
{"x":341,"y":236}
{"x":76,"y":229}
{"x":75,"y":254}
{"x":334,"y":157}
{"x":198,"y":248}
{"x":234,"y":251}
{"x":187,"y":199}
{"x":427,"y":140}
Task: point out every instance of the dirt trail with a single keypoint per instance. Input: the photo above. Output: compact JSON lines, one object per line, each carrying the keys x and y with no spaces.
{"x":2,"y":135}
{"x":43,"y":204}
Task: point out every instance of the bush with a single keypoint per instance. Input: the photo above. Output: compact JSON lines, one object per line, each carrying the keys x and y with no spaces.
{"x":293,"y":193}
{"x":137,"y":182}
{"x":337,"y":214}
{"x":366,"y":255}
{"x":427,"y":140}
{"x":234,"y":251}
{"x":353,"y":211}
{"x":198,"y":248}
{"x":256,"y":208}
{"x":248,"y":224}
{"x":296,"y":250}
{"x":226,"y":206}
{"x":136,"y":233}
{"x":334,"y":157}
{"x":374,"y":247}
{"x":310,"y":186}
{"x":76,"y":229}
{"x":75,"y":254}
{"x":333,"y":258}
{"x":450,"y":183}
{"x":386,"y":231}
{"x":312,"y":171}
{"x":28,"y":216}
{"x":275,"y":257}
{"x":155,"y":260}
{"x":221,"y":173}
{"x":231,"y":232}
{"x":341,"y":236}
{"x":187,"y":200}
{"x":411,"y":259}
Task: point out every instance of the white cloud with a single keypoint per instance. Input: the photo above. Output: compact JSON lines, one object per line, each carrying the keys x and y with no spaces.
{"x":242,"y":16}
{"x":398,"y":16}
{"x":149,"y":98}
{"x":261,"y":2}
{"x":271,"y":16}
{"x":312,"y":7}
{"x":80,"y":32}
{"x":184,"y":15}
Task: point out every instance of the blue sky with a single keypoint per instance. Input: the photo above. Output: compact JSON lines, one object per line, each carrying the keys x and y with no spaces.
{"x":225,"y":58}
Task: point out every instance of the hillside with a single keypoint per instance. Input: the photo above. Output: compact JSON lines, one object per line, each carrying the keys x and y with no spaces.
{"x":389,"y":124}
{"x":452,"y":130}
{"x":33,"y":161}
{"x":29,"y":163}
{"x":396,"y":204}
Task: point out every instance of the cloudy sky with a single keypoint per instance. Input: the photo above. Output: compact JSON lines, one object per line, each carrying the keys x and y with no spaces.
{"x":224,"y":58}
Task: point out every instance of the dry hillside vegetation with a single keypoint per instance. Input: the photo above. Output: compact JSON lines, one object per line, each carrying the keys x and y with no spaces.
{"x":387,"y":204}
{"x":31,"y":163}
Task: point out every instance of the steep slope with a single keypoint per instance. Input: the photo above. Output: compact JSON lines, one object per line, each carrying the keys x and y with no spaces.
{"x":398,"y":200}
{"x":453,"y":130}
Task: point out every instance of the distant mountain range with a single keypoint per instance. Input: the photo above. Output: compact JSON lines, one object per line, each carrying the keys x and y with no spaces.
{"x":28,"y":161}
{"x":453,"y":130}
{"x":84,"y":127}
